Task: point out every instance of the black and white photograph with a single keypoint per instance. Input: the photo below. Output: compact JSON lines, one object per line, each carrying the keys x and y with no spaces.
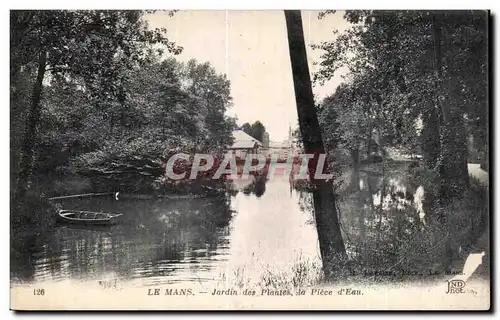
{"x":250,"y":159}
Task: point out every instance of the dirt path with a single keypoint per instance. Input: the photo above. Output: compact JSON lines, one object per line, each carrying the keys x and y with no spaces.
{"x":476,"y":172}
{"x":483,"y":243}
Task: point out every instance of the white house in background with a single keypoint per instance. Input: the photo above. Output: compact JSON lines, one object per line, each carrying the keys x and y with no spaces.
{"x":244,"y":144}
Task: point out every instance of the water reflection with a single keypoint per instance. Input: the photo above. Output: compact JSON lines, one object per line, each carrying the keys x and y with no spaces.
{"x":156,"y":239}
{"x":399,"y":196}
{"x":271,"y":232}
{"x":383,"y":219}
{"x":260,"y":227}
{"x":168,"y":241}
{"x":255,"y":185}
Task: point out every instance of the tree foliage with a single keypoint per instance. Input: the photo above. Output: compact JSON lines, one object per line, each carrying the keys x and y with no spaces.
{"x":256,"y":130}
{"x":103,"y":95}
{"x":414,"y":73}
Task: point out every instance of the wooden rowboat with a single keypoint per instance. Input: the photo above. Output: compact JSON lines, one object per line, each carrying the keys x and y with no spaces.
{"x":88,"y":217}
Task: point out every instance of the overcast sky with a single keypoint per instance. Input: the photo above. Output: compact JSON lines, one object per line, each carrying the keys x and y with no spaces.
{"x":251,"y":47}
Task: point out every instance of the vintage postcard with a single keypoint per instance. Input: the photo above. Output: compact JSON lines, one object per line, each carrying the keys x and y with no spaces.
{"x":249,"y":160}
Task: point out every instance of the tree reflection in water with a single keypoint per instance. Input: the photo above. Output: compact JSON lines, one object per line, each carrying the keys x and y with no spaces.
{"x":257,"y":186}
{"x":384,"y":217}
{"x":386,"y":228}
{"x":154,"y":239}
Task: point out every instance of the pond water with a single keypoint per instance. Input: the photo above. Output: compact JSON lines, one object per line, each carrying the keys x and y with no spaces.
{"x":266,"y":229}
{"x":161,"y":241}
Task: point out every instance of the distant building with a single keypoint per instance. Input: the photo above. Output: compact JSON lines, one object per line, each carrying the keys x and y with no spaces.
{"x":265,"y":141}
{"x":244,"y":144}
{"x":288,"y":143}
{"x":279,"y":144}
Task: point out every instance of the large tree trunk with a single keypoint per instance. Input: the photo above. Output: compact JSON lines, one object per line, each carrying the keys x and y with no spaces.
{"x":330,"y":238}
{"x":453,"y":146}
{"x":30,"y":133}
{"x":454,"y":171}
{"x":354,"y":184}
{"x":17,"y":106}
{"x":431,"y":147}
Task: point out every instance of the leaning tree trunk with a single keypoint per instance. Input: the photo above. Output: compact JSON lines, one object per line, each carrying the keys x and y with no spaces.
{"x":330,"y":238}
{"x":30,"y":134}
